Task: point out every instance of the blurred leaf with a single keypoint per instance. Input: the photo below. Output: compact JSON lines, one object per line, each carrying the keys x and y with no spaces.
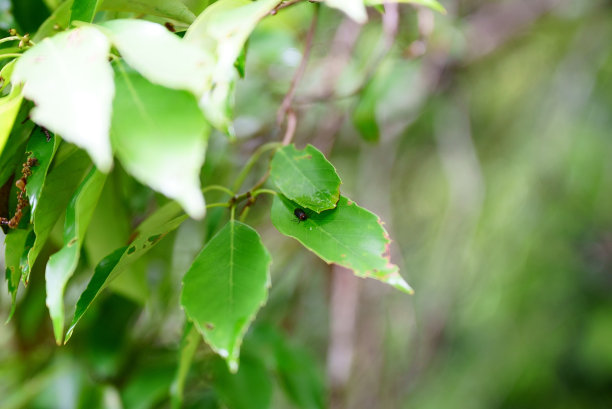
{"x":43,"y":151}
{"x":13,"y":152}
{"x":249,"y":388}
{"x":222,"y":31}
{"x":189,"y":344}
{"x":29,"y":14}
{"x":62,"y":264}
{"x":173,"y":9}
{"x":83,"y":10}
{"x":432,"y":4}
{"x":355,"y":9}
{"x":364,"y":115}
{"x":348,"y":235}
{"x":9,"y":105}
{"x":14,"y":245}
{"x":160,"y":56}
{"x":160,"y":137}
{"x":148,"y":386}
{"x":60,"y":18}
{"x":225,"y":286}
{"x":149,"y":233}
{"x":70,"y":81}
{"x":306,"y":177}
{"x":66,"y":173}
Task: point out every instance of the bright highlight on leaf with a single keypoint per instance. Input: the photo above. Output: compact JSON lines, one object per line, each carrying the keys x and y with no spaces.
{"x":355,"y":9}
{"x":160,"y":137}
{"x":71,"y":83}
{"x":348,"y":235}
{"x":225,"y":287}
{"x":9,"y":105}
{"x":160,"y":56}
{"x":221,"y":31}
{"x":306,"y":177}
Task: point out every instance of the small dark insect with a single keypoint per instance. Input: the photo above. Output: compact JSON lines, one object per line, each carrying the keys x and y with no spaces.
{"x":170,"y":27}
{"x":46,"y":132}
{"x":300,"y":214}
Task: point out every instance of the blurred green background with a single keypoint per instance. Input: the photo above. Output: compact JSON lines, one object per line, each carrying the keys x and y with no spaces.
{"x":483,"y":139}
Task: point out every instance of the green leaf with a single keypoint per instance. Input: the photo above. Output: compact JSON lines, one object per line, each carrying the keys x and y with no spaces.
{"x":62,"y":264}
{"x":149,"y":233}
{"x":173,"y":9}
{"x":66,"y":173}
{"x":29,"y":14}
{"x":59,"y":18}
{"x":189,"y":344}
{"x":83,"y":10}
{"x":355,"y":9}
{"x":348,"y":235}
{"x":43,"y":151}
{"x":160,"y":137}
{"x":222,"y":31}
{"x":306,"y":177}
{"x":225,"y":286}
{"x":9,"y":105}
{"x":160,"y":56}
{"x":432,"y":4}
{"x":70,"y":81}
{"x":14,"y":245}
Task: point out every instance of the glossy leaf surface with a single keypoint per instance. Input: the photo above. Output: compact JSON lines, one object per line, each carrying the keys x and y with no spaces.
{"x":62,"y":264}
{"x":9,"y":105}
{"x":306,"y":177}
{"x":160,"y":136}
{"x":71,"y":83}
{"x":174,"y":9}
{"x":348,"y":235}
{"x":83,"y":10}
{"x":225,"y":287}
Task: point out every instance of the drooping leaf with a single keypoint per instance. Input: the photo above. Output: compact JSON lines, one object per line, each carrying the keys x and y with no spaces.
{"x":160,"y":137}
{"x":14,"y":245}
{"x":62,"y":264}
{"x":70,"y":81}
{"x":149,"y":233}
{"x":174,"y":9}
{"x":43,"y":151}
{"x":29,"y":14}
{"x":225,"y":286}
{"x":222,"y":31}
{"x":432,"y":4}
{"x":355,"y":9}
{"x":83,"y":10}
{"x":348,"y":235}
{"x":306,"y":177}
{"x":9,"y":105}
{"x":64,"y":177}
{"x":189,"y":344}
{"x":160,"y":56}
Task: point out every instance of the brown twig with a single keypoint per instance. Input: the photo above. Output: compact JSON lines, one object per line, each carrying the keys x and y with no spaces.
{"x":283,"y":5}
{"x":299,"y":73}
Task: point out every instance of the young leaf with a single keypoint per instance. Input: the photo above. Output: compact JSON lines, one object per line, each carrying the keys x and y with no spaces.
{"x":62,"y":264}
{"x":70,"y":81}
{"x":432,"y":4}
{"x":348,"y":235}
{"x":352,"y":8}
{"x":83,"y":10}
{"x":65,"y":175}
{"x":160,"y":137}
{"x":9,"y":105}
{"x":149,"y":233}
{"x":174,"y":9}
{"x":160,"y":56}
{"x":225,"y":286}
{"x":306,"y":177}
{"x":14,"y":245}
{"x":222,"y":31}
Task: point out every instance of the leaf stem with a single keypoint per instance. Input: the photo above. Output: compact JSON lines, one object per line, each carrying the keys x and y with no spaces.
{"x":11,"y":38}
{"x":251,"y":162}
{"x":218,"y":188}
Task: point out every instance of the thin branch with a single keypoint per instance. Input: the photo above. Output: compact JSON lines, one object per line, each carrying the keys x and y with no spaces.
{"x":283,"y":5}
{"x":291,"y":126}
{"x":299,"y":73}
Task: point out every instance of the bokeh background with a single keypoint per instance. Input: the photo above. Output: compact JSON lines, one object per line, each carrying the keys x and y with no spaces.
{"x":483,"y":139}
